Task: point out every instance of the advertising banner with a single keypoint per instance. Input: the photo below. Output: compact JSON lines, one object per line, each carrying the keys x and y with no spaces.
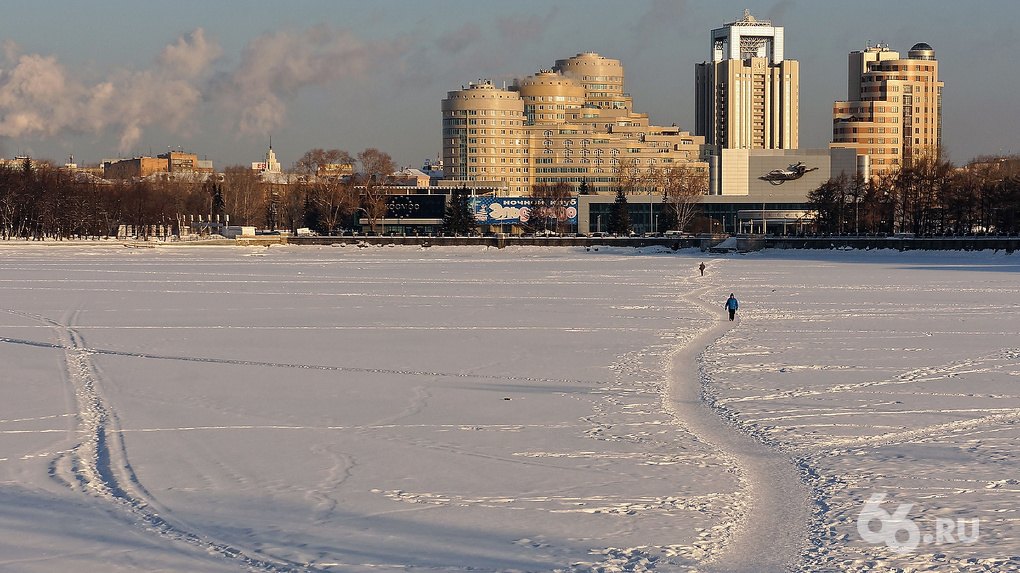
{"x":517,"y":210}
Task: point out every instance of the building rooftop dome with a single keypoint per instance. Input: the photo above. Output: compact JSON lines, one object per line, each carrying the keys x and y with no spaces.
{"x":921,"y":51}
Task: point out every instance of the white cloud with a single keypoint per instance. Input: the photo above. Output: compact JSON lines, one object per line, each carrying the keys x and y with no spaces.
{"x":277,"y":65}
{"x":38,"y":95}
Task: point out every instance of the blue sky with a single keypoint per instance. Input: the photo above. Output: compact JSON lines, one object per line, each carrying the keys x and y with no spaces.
{"x":119,"y":78}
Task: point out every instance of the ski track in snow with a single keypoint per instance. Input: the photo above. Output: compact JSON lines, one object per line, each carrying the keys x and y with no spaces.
{"x":236,"y":362}
{"x":97,"y":464}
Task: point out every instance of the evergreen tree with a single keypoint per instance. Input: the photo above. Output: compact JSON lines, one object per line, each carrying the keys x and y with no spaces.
{"x":619,"y":217}
{"x":218,"y":205}
{"x":459,"y":219}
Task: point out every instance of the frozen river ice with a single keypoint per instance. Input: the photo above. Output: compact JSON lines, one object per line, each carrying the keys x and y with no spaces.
{"x":447,"y":409}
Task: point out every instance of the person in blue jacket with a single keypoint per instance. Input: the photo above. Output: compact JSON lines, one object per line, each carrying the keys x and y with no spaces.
{"x":731,"y":305}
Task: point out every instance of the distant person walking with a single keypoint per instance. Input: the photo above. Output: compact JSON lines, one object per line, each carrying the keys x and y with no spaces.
{"x":701,"y":268}
{"x":731,"y":305}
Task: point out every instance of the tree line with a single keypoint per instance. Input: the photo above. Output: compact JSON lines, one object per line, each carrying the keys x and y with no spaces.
{"x":928,"y":195}
{"x":331,"y":190}
{"x":39,"y":201}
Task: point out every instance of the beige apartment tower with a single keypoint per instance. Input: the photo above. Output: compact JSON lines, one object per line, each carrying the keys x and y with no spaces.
{"x":483,"y":136}
{"x":893,"y":108}
{"x":601,"y":78}
{"x":747,"y":96}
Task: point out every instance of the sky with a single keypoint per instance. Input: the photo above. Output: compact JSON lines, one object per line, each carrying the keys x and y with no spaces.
{"x":118,"y":78}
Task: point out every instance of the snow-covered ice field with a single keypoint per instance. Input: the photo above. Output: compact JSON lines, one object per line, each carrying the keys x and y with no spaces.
{"x":526,"y":409}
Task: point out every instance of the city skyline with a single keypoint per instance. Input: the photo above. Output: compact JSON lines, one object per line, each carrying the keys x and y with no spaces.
{"x":219,"y":79}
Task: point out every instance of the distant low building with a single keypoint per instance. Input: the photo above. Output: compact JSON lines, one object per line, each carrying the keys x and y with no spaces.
{"x":19,"y":162}
{"x":135,"y":167}
{"x":172,"y":162}
{"x":333,"y":170}
{"x":412,"y":177}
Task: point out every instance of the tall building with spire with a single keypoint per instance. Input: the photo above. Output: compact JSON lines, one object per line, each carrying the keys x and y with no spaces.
{"x":747,"y":96}
{"x":893,"y":108}
{"x":270,"y":165}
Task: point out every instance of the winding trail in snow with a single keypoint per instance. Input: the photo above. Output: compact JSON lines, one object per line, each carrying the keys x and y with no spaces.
{"x":772,"y":534}
{"x":97,"y":464}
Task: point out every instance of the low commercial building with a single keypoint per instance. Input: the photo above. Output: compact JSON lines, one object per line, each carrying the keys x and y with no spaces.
{"x":751,"y":191}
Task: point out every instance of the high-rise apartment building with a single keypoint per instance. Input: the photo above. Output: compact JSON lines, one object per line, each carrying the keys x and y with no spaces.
{"x":747,"y":96}
{"x":484,"y":137}
{"x":893,"y":108}
{"x":574,"y":124}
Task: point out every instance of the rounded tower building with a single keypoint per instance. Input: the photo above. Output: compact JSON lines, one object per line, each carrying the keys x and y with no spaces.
{"x":549,"y":97}
{"x":602,"y":79}
{"x":483,"y":134}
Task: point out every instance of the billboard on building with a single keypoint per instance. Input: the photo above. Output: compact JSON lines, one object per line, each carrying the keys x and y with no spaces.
{"x":517,"y":210}
{"x":415,"y":206}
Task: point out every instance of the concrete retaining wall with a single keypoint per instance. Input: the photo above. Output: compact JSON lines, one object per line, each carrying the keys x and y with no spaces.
{"x":1008,"y":244}
{"x":704,"y":242}
{"x":506,"y":241}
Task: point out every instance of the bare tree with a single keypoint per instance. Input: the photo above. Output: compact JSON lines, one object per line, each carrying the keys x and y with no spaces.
{"x":829,"y":202}
{"x":244,"y":195}
{"x":920,"y":185}
{"x":377,"y":170}
{"x":320,"y":161}
{"x":628,"y":172}
{"x":682,"y":185}
{"x":330,"y":192}
{"x":10,"y":201}
{"x":878,"y":207}
{"x":290,"y":203}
